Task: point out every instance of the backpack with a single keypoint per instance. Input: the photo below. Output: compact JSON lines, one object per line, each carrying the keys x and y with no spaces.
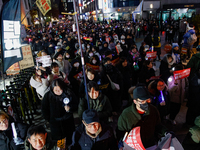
{"x":155,"y":41}
{"x":192,"y":39}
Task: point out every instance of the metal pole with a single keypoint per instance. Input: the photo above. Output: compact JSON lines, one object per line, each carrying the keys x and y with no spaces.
{"x":80,"y":46}
{"x":97,"y":15}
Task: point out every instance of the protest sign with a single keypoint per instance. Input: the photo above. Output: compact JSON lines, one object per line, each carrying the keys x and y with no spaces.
{"x":45,"y":60}
{"x":94,"y":67}
{"x":151,"y":55}
{"x":181,"y":74}
{"x":13,"y":70}
{"x":27,"y":61}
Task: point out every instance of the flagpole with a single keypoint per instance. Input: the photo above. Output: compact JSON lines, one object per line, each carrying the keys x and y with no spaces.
{"x":28,"y":11}
{"x":82,"y":57}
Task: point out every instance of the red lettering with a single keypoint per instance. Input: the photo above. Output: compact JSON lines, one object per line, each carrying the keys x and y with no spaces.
{"x":46,"y":7}
{"x":43,"y":2}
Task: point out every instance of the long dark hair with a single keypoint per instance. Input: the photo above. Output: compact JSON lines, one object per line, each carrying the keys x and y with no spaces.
{"x":58,"y":82}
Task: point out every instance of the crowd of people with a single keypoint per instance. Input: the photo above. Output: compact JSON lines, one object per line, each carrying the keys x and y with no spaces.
{"x":121,"y":84}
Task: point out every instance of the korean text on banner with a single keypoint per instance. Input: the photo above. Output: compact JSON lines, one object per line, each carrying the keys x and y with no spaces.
{"x":151,"y":55}
{"x":45,"y":60}
{"x":44,"y":6}
{"x":11,"y":28}
{"x":181,"y":74}
{"x":27,"y":61}
{"x":134,"y":140}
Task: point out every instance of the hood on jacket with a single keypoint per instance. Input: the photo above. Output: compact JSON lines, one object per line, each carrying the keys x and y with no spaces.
{"x":35,"y":83}
{"x":165,"y":58}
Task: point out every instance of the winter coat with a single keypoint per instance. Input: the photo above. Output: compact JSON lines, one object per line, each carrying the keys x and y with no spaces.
{"x":104,"y":141}
{"x":164,"y":69}
{"x":6,"y":137}
{"x":157,"y":99}
{"x":194,"y":64}
{"x":61,"y":122}
{"x":146,"y":74}
{"x":113,"y":96}
{"x":149,"y":123}
{"x":101,"y":105}
{"x":41,"y":88}
{"x":49,"y":145}
{"x":177,"y":92}
{"x":64,"y":66}
{"x":186,"y":36}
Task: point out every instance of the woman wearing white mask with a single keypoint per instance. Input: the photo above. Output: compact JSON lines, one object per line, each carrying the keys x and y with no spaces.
{"x":95,"y":60}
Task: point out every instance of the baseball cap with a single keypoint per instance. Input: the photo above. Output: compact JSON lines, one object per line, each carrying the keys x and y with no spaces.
{"x":141,"y":92}
{"x":90,"y":116}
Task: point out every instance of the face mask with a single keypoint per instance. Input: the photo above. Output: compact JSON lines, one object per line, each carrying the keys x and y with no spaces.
{"x":44,"y":38}
{"x":76,"y":65}
{"x":88,"y":46}
{"x":123,"y":42}
{"x":90,"y":54}
{"x":67,"y":56}
{"x":76,"y":38}
{"x":94,"y":61}
{"x":60,"y":57}
{"x":144,"y":106}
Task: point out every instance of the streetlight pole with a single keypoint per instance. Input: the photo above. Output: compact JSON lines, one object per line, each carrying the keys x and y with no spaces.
{"x":80,"y":46}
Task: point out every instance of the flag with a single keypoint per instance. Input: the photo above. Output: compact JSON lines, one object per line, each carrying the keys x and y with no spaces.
{"x":10,"y":36}
{"x":44,"y":6}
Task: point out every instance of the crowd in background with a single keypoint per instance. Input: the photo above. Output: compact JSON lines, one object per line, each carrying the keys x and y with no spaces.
{"x":121,"y":84}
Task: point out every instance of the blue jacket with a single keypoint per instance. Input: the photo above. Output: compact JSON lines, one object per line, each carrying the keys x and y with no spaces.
{"x":104,"y":141}
{"x":186,"y":36}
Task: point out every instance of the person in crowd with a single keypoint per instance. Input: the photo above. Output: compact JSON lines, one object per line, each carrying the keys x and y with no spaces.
{"x":95,"y":60}
{"x":147,"y":72}
{"x":193,"y":103}
{"x":186,"y":45}
{"x":126,"y":72}
{"x":192,"y":140}
{"x":7,"y":140}
{"x":92,"y":134}
{"x":142,"y":51}
{"x":157,"y":45}
{"x":176,"y":54}
{"x":110,"y":74}
{"x":40,"y":84}
{"x":177,"y":93}
{"x":55,"y":73}
{"x":97,"y":101}
{"x":64,"y":65}
{"x":158,"y":90}
{"x":75,"y":76}
{"x":58,"y":106}
{"x":38,"y":138}
{"x":166,"y":67}
{"x":182,"y":29}
{"x":148,"y":40}
{"x":171,"y":34}
{"x":142,"y":114}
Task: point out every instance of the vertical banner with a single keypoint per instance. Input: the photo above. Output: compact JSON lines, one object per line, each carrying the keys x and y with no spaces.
{"x":11,"y":28}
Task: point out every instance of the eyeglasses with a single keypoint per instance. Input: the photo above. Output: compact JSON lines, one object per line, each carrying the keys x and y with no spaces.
{"x":3,"y":122}
{"x":91,"y":125}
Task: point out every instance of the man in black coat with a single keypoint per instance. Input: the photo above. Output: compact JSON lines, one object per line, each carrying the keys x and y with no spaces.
{"x":92,"y":135}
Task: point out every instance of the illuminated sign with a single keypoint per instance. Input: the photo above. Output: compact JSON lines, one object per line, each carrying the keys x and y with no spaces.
{"x":12,"y":38}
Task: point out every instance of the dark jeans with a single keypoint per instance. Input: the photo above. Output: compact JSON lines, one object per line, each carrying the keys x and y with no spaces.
{"x":174,"y":109}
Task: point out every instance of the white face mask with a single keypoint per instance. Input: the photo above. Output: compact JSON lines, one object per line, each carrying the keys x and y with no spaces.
{"x":67,"y":56}
{"x":123,"y":42}
{"x":94,"y":61}
{"x":88,"y":46}
{"x":76,"y":65}
{"x":44,"y":38}
{"x":76,"y":38}
{"x":90,"y":54}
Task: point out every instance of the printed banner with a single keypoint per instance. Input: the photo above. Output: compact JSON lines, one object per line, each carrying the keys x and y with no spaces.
{"x":87,"y":39}
{"x":45,"y":60}
{"x":44,"y":6}
{"x":133,"y":139}
{"x":13,"y":70}
{"x":181,"y":74}
{"x":27,"y":61}
{"x":11,"y":29}
{"x":94,"y":67}
{"x":78,"y":75}
{"x":151,"y":55}
{"x":115,"y":61}
{"x":184,"y":50}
